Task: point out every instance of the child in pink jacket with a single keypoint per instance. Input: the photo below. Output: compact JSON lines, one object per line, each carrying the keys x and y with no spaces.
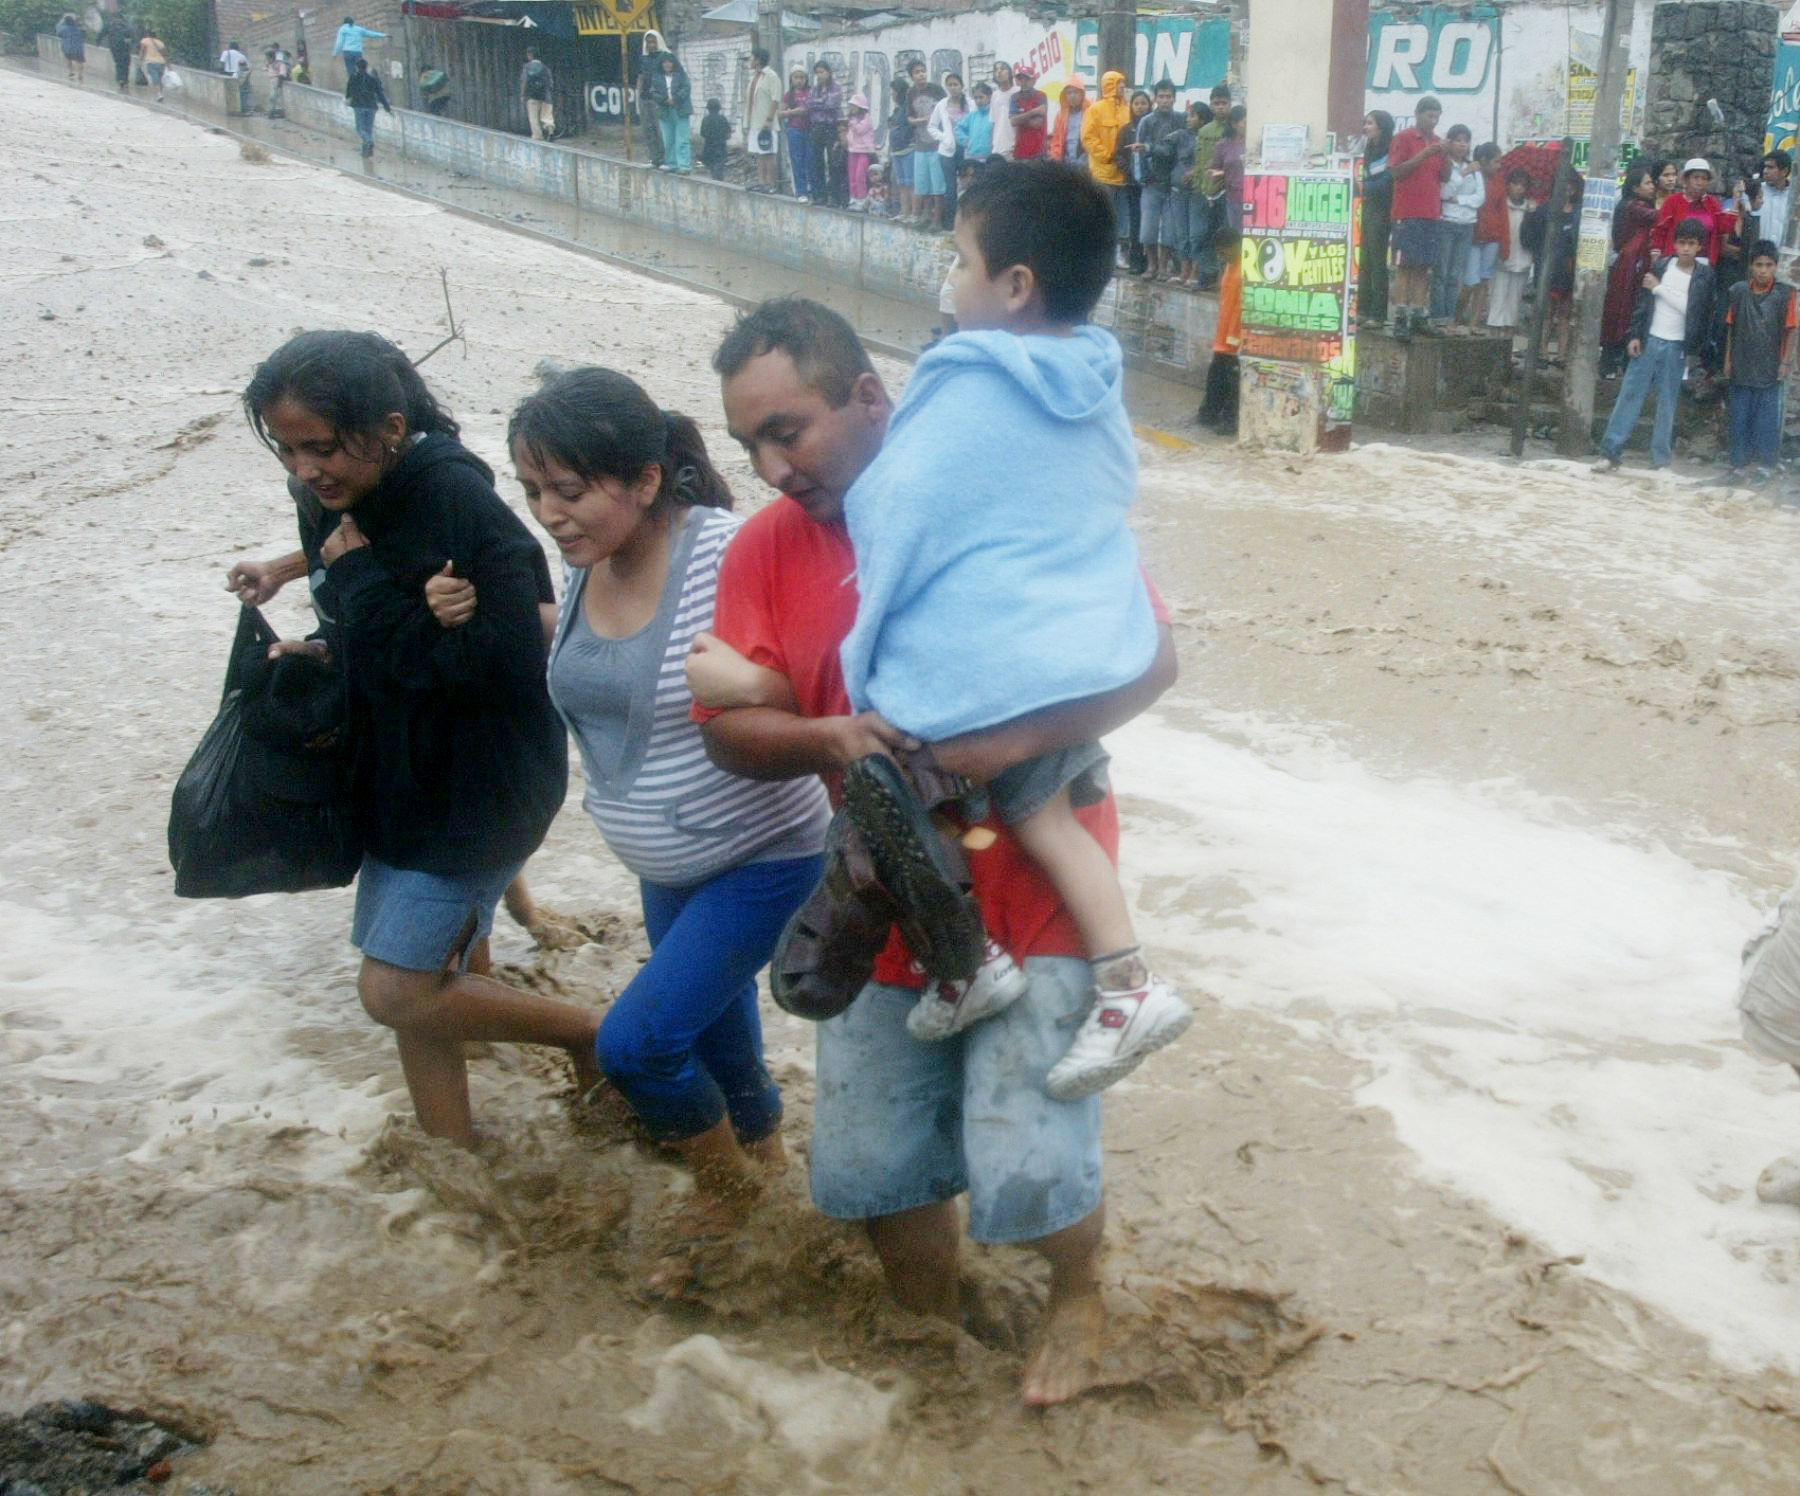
{"x":862,"y":151}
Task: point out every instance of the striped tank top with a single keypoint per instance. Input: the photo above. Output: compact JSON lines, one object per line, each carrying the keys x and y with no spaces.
{"x":667,"y":812}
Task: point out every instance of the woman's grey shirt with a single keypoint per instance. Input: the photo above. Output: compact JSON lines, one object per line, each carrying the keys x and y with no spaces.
{"x":668,"y":813}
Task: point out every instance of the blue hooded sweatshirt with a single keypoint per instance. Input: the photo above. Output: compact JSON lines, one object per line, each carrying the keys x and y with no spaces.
{"x":995,"y":569}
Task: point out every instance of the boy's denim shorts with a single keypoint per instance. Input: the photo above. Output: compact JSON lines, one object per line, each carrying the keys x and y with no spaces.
{"x":900,"y":1124}
{"x":424,"y":921}
{"x":1018,"y":793}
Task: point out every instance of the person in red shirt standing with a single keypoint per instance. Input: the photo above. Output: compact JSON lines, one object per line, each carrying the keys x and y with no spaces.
{"x":1418,"y":162}
{"x":903,"y":1127}
{"x":1693,"y":201}
{"x":1030,"y":112}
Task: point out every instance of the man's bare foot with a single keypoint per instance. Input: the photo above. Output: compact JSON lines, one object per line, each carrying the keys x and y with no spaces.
{"x":1065,"y":1361}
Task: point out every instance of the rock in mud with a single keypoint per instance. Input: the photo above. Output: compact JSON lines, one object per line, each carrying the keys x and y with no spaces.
{"x":83,"y":1448}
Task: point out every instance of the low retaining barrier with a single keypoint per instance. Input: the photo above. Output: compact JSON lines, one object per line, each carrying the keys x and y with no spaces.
{"x":1162,"y":330}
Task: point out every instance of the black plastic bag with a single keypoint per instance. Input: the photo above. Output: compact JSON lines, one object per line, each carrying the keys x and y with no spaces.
{"x":262,"y":806}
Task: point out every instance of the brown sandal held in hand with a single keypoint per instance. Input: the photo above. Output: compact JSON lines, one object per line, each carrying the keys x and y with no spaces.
{"x":826,"y":955}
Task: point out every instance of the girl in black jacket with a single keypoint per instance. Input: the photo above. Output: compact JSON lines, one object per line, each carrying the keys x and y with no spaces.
{"x":458,"y":762}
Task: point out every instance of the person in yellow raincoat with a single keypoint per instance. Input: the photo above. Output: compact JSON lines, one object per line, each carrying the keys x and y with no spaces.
{"x":1100,"y":127}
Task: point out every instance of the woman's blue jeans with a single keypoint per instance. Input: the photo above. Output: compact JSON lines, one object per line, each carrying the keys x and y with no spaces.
{"x":800,"y":161}
{"x":1657,"y":368}
{"x":1453,"y":241}
{"x":677,"y":144}
{"x":683,"y":1042}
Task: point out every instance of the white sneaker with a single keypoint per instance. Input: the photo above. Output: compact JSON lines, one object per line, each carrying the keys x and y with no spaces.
{"x":946,"y":1008}
{"x":1120,"y":1030}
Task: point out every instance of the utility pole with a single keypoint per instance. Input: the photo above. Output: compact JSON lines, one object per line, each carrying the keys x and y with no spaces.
{"x":1118,"y":40}
{"x":1582,"y":366}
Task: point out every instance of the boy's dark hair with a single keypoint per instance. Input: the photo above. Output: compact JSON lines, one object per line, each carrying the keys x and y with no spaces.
{"x":1779,"y":158}
{"x":759,"y":57}
{"x":1518,"y":174}
{"x":1164,"y":85}
{"x":983,"y":87}
{"x":1487,"y":151}
{"x":1764,"y":249}
{"x":1690,"y":228}
{"x":354,"y":380}
{"x":598,"y":423}
{"x":1220,"y":91}
{"x":823,"y":346}
{"x":1459,"y":132}
{"x":1427,"y":101}
{"x":713,"y":106}
{"x":1051,"y":217}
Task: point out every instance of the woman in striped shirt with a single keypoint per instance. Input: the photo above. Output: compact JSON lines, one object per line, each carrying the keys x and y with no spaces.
{"x":628,"y":494}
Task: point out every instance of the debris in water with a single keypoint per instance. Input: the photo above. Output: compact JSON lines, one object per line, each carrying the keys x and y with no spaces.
{"x":84,"y":1448}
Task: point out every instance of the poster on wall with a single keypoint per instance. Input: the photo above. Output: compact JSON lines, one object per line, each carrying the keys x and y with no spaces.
{"x":1599,"y":199}
{"x":1584,"y":87}
{"x":1298,"y":268}
{"x":1784,"y":98}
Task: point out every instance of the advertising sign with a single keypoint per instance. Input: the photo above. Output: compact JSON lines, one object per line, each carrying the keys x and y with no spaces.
{"x":1298,"y":268}
{"x":1598,"y":200}
{"x":1192,"y":54}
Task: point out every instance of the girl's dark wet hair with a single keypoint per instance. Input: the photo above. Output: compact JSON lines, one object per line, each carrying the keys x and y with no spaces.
{"x":598,"y":423}
{"x":1384,"y":131}
{"x":354,"y":380}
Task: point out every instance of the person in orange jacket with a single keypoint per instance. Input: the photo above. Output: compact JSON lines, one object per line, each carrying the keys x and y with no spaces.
{"x":1065,"y":135}
{"x":1100,"y":128}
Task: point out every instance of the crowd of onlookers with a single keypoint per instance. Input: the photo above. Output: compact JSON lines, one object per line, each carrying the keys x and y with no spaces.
{"x":1174,"y":176}
{"x":1690,"y":279}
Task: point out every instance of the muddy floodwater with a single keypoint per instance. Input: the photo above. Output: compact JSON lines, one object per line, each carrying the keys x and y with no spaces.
{"x":1475,"y":782}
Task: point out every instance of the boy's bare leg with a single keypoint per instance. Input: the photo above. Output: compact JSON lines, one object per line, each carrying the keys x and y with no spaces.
{"x":918,"y":1250}
{"x":1082,"y":873}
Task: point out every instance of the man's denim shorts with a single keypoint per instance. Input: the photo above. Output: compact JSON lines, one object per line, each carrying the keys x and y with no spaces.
{"x":424,"y":921}
{"x":899,"y":1124}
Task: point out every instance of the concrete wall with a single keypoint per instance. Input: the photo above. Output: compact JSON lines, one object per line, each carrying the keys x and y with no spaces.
{"x":1164,"y":330}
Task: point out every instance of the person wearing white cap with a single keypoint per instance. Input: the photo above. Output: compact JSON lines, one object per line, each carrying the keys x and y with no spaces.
{"x":1693,"y":201}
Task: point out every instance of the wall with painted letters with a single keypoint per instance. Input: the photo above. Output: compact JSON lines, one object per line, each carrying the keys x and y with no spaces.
{"x":1508,"y":72}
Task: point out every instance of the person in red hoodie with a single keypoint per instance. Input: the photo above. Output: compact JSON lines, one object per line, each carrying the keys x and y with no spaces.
{"x":1695,"y":202}
{"x":1633,"y":221}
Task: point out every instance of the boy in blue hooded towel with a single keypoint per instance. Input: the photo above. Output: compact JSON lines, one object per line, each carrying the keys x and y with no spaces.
{"x":997,"y":577}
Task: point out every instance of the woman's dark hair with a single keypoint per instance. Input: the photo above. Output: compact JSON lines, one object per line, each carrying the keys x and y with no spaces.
{"x":1384,"y":132}
{"x":598,"y":423}
{"x":899,"y":88}
{"x":354,"y":380}
{"x":1234,"y":122}
{"x":1657,"y":168}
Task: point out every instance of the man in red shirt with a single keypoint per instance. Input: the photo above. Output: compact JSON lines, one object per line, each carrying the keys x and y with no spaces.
{"x":1030,"y":110}
{"x":1419,"y":163}
{"x":903,"y":1127}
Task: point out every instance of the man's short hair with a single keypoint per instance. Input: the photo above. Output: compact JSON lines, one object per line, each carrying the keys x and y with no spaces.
{"x":1518,"y":174}
{"x":1428,"y":101}
{"x":1053,"y":218}
{"x":759,"y":57}
{"x":1220,"y":91}
{"x":1164,"y":86}
{"x":1764,"y":249}
{"x":1778,"y":158}
{"x":1690,"y":228}
{"x":824,"y":347}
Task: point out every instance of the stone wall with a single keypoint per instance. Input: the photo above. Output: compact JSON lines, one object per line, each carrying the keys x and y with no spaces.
{"x":1710,"y":49}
